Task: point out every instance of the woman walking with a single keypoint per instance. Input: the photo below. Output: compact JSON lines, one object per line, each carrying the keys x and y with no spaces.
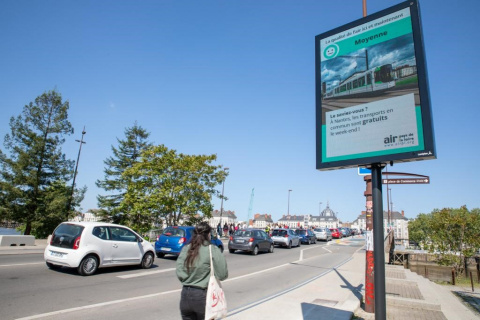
{"x":193,"y":271}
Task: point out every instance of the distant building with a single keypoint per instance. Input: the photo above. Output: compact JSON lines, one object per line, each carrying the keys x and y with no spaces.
{"x":262,"y":220}
{"x":87,"y":217}
{"x":326,"y":219}
{"x":398,"y":223}
{"x":227,"y":216}
{"x":292,"y":221}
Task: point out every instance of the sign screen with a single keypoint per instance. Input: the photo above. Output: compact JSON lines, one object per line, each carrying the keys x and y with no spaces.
{"x":371,"y":89}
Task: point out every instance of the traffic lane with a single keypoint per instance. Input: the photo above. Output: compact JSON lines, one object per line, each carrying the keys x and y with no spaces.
{"x":240,"y":291}
{"x":33,"y":289}
{"x":19,"y":259}
{"x":68,"y":290}
{"x":243,"y":262}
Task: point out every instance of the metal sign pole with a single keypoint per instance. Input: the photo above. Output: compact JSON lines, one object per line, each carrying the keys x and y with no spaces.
{"x":378,"y":238}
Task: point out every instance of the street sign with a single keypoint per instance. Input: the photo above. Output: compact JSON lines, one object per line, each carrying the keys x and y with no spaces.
{"x":364,"y":171}
{"x":406,"y":181}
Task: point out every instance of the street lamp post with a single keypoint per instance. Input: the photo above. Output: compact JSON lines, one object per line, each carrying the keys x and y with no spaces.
{"x":288,"y":209}
{"x":320,"y":208}
{"x":221,"y":205}
{"x":70,"y":200}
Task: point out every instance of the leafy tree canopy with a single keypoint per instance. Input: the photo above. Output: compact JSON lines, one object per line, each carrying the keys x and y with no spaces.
{"x":34,"y":167}
{"x":170,"y":186}
{"x":124,"y":156}
{"x":450,"y":233}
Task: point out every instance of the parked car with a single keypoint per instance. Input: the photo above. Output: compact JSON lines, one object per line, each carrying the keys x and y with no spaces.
{"x":306,"y":236}
{"x":251,"y":240}
{"x":336,"y":234}
{"x":88,"y":246}
{"x":323,"y":234}
{"x":345,"y":231}
{"x":172,"y":240}
{"x":286,"y":238}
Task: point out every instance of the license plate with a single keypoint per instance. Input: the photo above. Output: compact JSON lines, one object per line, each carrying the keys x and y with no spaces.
{"x":165,"y":249}
{"x":56,"y":254}
{"x":240,"y":241}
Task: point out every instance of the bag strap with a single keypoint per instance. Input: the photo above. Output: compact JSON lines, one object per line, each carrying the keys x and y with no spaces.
{"x":212,"y":271}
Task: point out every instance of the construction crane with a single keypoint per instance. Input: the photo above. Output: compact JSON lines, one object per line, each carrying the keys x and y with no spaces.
{"x":250,"y":206}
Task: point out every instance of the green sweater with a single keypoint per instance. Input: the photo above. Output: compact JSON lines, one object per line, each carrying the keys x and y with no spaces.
{"x":200,"y":271}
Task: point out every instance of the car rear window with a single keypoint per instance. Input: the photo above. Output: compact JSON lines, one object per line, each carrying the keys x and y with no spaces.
{"x":279,"y":233}
{"x":174,"y":232}
{"x":65,"y":234}
{"x":243,"y":233}
{"x":300,"y":232}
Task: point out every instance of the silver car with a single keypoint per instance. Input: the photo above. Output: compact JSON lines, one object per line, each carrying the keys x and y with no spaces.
{"x":286,"y":238}
{"x":323,"y":234}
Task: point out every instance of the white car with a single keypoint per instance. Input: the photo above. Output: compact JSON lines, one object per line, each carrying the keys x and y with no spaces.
{"x":88,"y":246}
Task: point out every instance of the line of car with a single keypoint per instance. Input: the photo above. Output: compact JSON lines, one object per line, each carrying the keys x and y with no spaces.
{"x":88,"y":246}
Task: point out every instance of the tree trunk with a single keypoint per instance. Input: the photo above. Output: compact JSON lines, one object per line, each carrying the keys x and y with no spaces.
{"x":28,"y":228}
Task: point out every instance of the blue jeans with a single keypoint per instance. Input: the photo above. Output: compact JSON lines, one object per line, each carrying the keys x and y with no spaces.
{"x":192,"y":303}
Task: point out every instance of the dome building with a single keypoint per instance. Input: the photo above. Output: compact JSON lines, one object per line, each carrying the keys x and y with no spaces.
{"x":327,"y":218}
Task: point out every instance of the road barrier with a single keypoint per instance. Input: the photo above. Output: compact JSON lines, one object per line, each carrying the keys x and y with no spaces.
{"x":16,"y":240}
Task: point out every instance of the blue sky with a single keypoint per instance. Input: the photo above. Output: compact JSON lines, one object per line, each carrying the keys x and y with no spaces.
{"x":237,"y":79}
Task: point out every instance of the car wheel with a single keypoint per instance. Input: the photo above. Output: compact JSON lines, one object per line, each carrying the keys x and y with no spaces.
{"x":255,"y":251}
{"x":271,"y":248}
{"x":231,"y":250}
{"x":88,"y":266}
{"x":299,"y":243}
{"x":147,"y":260}
{"x":160,"y":254}
{"x":221,"y":248}
{"x":289,"y":245}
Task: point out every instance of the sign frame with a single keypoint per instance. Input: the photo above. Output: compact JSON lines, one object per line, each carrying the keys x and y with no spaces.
{"x":424,"y":123}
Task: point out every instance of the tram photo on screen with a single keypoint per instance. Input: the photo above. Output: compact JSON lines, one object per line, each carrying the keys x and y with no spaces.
{"x":371,"y":89}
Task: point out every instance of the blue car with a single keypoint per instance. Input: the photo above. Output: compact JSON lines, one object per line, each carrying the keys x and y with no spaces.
{"x":172,"y":240}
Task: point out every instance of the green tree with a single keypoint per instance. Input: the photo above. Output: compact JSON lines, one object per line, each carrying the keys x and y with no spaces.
{"x":35,"y":166}
{"x":124,"y":156}
{"x":450,"y":233}
{"x":171,"y":186}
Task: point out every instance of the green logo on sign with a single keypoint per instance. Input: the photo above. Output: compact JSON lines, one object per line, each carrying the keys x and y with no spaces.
{"x":331,"y":51}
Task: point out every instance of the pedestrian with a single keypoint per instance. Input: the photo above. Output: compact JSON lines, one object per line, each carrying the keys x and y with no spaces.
{"x":219,"y":230}
{"x":225,"y":229}
{"x":193,"y":271}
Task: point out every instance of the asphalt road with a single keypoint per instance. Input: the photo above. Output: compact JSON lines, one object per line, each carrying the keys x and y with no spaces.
{"x":29,"y":290}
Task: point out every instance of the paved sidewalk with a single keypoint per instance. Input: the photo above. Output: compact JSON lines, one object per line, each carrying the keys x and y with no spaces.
{"x":338,"y":295}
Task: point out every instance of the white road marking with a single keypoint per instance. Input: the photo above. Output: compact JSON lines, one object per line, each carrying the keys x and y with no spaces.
{"x":145,"y":273}
{"x":54,"y":313}
{"x":20,"y":264}
{"x":316,"y":247}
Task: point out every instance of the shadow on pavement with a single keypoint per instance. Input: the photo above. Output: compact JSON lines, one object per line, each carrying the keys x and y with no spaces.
{"x":357,"y":291}
{"x":312,"y":311}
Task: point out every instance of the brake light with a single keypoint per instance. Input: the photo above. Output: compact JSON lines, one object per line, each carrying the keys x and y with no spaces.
{"x":231,"y":238}
{"x":51,"y":239}
{"x":251,"y":240}
{"x":285,"y":236}
{"x":158,"y":237}
{"x":76,"y":243}
{"x":182,"y":240}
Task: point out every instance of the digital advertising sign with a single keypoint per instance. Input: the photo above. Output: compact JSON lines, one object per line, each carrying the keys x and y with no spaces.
{"x":372,"y":96}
